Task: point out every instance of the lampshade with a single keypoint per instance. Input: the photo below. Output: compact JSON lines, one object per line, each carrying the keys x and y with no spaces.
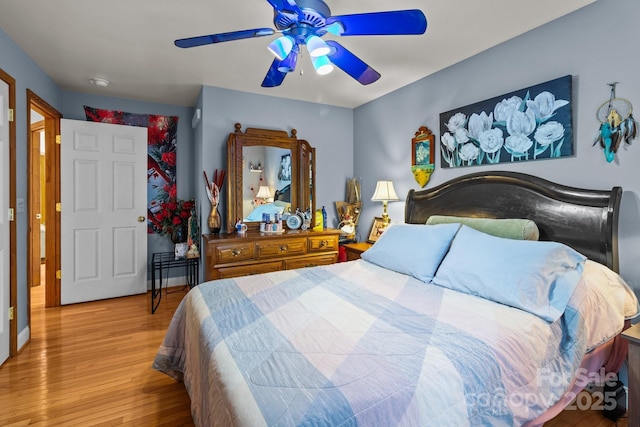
{"x":289,"y":63}
{"x":264,"y":192}
{"x":317,"y":47}
{"x":281,"y":47}
{"x":322,"y":65}
{"x":335,"y":28}
{"x":384,"y":192}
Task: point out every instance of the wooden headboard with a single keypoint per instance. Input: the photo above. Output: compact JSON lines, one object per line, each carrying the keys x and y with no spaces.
{"x":586,"y":220}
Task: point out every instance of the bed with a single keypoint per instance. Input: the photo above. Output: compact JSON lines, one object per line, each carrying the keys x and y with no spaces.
{"x":412,"y":334}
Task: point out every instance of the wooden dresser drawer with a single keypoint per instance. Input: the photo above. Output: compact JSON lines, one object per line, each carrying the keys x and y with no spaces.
{"x":323,"y":243}
{"x":315,"y":261}
{"x":234,"y":252}
{"x":281,"y":248}
{"x":233,"y":255}
{"x":246,"y":270}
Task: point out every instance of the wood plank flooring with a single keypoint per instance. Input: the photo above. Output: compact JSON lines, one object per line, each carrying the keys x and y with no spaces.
{"x":90,"y":365}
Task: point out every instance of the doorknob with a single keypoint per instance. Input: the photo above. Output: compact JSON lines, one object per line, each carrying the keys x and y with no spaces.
{"x":141,"y":219}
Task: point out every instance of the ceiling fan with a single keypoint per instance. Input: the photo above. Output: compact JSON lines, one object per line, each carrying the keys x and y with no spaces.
{"x":305,"y":22}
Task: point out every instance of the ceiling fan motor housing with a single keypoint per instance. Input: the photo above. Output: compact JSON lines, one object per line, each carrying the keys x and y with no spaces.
{"x":312,"y":21}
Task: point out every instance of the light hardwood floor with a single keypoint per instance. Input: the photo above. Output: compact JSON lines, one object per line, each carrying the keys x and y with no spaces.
{"x":90,"y":365}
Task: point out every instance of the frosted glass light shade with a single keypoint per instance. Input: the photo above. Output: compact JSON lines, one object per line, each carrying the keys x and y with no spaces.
{"x":322,"y":65}
{"x":281,"y":47}
{"x":317,"y":47}
{"x":289,"y":63}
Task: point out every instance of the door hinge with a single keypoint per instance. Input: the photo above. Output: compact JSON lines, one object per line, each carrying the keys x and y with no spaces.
{"x":10,"y":114}
{"x":11,"y":214}
{"x":58,"y":274}
{"x":58,"y":139}
{"x":58,"y":207}
{"x":10,"y":313}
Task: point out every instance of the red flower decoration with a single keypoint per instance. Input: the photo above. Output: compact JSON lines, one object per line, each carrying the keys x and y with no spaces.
{"x":173,"y":214}
{"x":169,"y":158}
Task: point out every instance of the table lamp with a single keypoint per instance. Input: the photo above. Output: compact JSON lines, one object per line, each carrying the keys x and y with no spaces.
{"x":264,"y":193}
{"x":384,"y":193}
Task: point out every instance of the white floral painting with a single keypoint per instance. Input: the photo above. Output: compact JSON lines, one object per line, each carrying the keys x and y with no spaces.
{"x":529,"y":124}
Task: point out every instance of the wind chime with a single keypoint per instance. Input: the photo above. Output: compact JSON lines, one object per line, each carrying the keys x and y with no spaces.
{"x":617,"y":125}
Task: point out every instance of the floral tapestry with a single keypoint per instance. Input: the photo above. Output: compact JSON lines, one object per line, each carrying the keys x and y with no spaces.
{"x":529,"y":124}
{"x":161,"y":161}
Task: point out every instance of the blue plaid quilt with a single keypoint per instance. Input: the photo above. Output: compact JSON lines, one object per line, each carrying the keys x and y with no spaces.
{"x":354,"y":344}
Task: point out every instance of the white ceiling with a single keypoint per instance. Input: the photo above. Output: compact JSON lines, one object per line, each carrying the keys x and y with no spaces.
{"x":130,"y":43}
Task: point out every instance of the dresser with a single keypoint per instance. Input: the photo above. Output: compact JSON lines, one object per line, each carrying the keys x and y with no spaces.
{"x":233,"y":255}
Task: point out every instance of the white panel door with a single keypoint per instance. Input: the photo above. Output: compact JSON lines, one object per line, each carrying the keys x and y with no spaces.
{"x":4,"y":222}
{"x":104,"y":203}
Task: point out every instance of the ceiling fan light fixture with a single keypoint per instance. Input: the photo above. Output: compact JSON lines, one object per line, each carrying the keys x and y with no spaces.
{"x":335,"y":28}
{"x":322,"y":64}
{"x":281,"y":47}
{"x":317,"y":47}
{"x":289,"y":63}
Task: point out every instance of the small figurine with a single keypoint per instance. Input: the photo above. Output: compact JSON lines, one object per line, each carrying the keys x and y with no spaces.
{"x":241,"y":228}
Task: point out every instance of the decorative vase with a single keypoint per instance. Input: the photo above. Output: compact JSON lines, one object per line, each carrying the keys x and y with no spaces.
{"x":214,"y":221}
{"x":179,"y":235}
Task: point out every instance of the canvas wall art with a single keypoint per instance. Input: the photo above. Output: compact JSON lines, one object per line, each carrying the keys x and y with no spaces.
{"x":533,"y":123}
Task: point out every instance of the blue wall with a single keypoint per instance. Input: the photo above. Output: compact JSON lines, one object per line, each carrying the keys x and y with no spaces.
{"x":579,"y":44}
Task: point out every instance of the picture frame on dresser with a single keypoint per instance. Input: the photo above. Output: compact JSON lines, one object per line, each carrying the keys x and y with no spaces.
{"x":376,"y":230}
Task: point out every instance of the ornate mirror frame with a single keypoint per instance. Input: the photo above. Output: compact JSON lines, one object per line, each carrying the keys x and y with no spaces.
{"x":302,"y":170}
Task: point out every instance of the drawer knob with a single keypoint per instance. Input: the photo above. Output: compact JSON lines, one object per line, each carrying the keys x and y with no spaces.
{"x":236,"y":252}
{"x":323,"y":243}
{"x":283,"y":248}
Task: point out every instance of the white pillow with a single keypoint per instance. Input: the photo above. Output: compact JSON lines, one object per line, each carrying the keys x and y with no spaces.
{"x":538,"y":277}
{"x":412,"y":249}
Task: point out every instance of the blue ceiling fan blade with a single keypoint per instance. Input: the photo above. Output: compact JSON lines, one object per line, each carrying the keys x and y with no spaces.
{"x":274,"y":76}
{"x":285,"y":5}
{"x":223,"y":37}
{"x":399,"y":22}
{"x":351,"y":64}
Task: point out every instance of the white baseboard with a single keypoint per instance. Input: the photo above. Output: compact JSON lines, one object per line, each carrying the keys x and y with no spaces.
{"x":23,"y":337}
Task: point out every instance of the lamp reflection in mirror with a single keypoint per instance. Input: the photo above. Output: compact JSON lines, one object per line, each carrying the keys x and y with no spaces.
{"x":264,"y":193}
{"x":384,"y":193}
{"x":281,"y":47}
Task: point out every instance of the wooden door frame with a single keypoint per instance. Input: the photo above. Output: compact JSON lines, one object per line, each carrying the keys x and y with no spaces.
{"x":52,"y":188}
{"x":35,"y":192}
{"x":13,"y":262}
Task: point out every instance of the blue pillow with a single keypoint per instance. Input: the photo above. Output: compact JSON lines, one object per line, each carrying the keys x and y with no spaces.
{"x":538,"y":277}
{"x":270,"y":208}
{"x":412,"y":249}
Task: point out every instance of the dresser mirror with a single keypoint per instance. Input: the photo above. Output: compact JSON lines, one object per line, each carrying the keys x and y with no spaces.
{"x":267,"y":171}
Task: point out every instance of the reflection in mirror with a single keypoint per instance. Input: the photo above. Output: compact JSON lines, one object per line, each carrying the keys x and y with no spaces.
{"x":265,"y":169}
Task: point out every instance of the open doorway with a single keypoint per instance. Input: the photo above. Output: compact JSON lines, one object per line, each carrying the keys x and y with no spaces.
{"x":37,"y":218}
{"x":43,"y":254}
